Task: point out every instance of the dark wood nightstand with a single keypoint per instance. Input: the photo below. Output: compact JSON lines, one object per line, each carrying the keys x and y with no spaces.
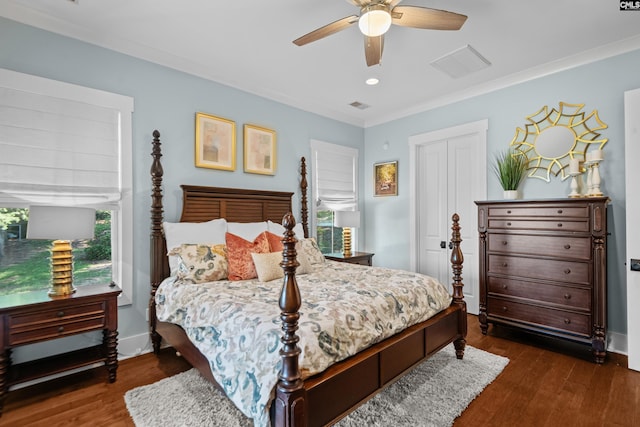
{"x":362,"y":258}
{"x":33,"y":317}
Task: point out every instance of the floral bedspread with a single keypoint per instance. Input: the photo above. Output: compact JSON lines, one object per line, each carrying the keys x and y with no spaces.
{"x":345,"y":309}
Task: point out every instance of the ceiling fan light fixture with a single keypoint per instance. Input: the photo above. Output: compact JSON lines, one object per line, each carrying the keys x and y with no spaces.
{"x":375,"y":20}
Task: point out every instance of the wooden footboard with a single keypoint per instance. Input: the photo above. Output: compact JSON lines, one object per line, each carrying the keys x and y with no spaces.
{"x":329,"y":396}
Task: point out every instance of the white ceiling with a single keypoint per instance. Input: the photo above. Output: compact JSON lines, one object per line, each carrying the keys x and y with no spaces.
{"x":247,"y":44}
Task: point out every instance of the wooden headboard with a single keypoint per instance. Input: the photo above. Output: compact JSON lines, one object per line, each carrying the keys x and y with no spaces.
{"x":201,"y":204}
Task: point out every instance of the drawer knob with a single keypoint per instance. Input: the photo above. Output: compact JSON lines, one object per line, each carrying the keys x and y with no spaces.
{"x":509,"y":224}
{"x":567,"y":296}
{"x":559,"y":224}
{"x":504,"y":308}
{"x":504,"y":243}
{"x":567,"y":271}
{"x":60,"y":313}
{"x":509,"y":211}
{"x":567,"y":246}
{"x":504,"y":264}
{"x":61,"y":329}
{"x":559,"y":211}
{"x":567,"y":321}
{"x":505,"y":287}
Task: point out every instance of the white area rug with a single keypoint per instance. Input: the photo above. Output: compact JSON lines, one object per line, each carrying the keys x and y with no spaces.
{"x":433,"y":394}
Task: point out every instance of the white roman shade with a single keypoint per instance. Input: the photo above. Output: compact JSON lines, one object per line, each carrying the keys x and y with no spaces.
{"x":334,"y":176}
{"x":57,"y":149}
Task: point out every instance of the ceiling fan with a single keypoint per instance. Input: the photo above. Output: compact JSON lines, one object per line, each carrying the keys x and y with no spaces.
{"x":376,"y":17}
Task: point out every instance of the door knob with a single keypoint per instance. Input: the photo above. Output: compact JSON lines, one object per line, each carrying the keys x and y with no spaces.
{"x":443,"y":244}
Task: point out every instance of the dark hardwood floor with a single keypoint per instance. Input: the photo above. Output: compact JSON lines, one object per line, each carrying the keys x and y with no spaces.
{"x":545,"y":384}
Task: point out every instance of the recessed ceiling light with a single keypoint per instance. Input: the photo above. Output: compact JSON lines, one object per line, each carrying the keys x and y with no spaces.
{"x":372,"y":81}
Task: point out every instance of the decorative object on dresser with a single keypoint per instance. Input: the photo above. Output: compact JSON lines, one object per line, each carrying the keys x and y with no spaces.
{"x":552,"y":137}
{"x":215,"y":142}
{"x":362,"y":258}
{"x":543,"y":268}
{"x":510,"y":168}
{"x":31,"y":317}
{"x":63,"y":224}
{"x":347,"y":220}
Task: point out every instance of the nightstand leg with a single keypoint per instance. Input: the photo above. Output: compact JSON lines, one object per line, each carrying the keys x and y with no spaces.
{"x":5,"y":361}
{"x":111,"y":343}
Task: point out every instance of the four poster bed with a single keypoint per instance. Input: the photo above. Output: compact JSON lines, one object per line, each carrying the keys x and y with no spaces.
{"x":301,"y":395}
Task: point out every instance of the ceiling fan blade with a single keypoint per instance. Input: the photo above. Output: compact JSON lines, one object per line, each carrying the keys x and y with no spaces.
{"x":426,"y":18}
{"x":373,"y":47}
{"x":327,"y":30}
{"x":392,"y":3}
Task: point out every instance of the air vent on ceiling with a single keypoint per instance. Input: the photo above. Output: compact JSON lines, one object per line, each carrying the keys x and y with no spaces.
{"x":359,"y":105}
{"x":461,"y":62}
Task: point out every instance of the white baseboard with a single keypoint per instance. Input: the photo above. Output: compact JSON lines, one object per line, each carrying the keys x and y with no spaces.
{"x":134,"y":346}
{"x":617,"y":343}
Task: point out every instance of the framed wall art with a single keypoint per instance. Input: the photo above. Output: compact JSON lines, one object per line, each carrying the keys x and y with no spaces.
{"x":259,"y":150}
{"x":215,"y":142}
{"x":385,"y":179}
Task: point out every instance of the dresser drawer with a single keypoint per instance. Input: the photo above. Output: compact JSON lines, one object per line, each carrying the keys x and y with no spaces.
{"x":567,"y":296}
{"x":555,"y":246}
{"x":534,"y":268}
{"x":540,"y":211}
{"x":539,"y":224}
{"x":540,"y":316}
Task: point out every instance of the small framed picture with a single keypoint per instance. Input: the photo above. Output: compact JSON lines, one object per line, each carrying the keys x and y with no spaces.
{"x":385,"y":179}
{"x":259,"y":150}
{"x":215,"y":142}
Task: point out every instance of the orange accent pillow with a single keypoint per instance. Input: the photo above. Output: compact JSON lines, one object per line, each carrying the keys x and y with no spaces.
{"x":275,"y":242}
{"x":239,"y":252}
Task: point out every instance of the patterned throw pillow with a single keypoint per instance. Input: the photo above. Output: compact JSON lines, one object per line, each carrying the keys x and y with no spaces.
{"x":201,"y":263}
{"x":310,"y":248}
{"x":239,"y":252}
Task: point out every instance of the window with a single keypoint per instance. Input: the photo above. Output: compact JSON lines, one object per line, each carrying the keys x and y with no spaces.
{"x":335,"y":187}
{"x":68,"y":145}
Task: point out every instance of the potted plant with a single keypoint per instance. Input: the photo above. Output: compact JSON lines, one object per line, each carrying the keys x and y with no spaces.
{"x":510,"y":169}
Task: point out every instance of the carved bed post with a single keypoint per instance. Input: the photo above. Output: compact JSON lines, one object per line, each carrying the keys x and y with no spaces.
{"x":303,"y":201}
{"x":458,"y":295}
{"x":290,"y":400}
{"x":157,"y":240}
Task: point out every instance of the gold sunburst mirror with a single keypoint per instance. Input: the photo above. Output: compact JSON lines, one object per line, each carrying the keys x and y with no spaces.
{"x":551,"y":138}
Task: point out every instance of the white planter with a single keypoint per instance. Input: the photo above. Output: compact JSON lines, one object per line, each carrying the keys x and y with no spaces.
{"x":510,"y":194}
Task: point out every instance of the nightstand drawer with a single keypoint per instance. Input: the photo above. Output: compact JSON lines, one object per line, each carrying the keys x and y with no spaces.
{"x":545,"y":269}
{"x":47,"y":324}
{"x":554,"y":246}
{"x":34,"y":333}
{"x":567,"y":296}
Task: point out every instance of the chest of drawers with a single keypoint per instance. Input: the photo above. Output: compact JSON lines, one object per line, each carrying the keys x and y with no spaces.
{"x":543,"y":268}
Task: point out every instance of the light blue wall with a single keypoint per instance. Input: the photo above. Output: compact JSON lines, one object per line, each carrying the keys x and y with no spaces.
{"x":167,"y":100}
{"x":600,"y":86}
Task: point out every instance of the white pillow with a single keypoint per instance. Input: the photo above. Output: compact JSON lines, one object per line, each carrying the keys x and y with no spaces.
{"x":247,"y":230}
{"x":278,"y":229}
{"x":179,"y":233}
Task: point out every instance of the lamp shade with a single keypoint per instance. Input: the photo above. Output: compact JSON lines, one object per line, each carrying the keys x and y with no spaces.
{"x":60,"y":223}
{"x":375,"y":21}
{"x":347,"y":219}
